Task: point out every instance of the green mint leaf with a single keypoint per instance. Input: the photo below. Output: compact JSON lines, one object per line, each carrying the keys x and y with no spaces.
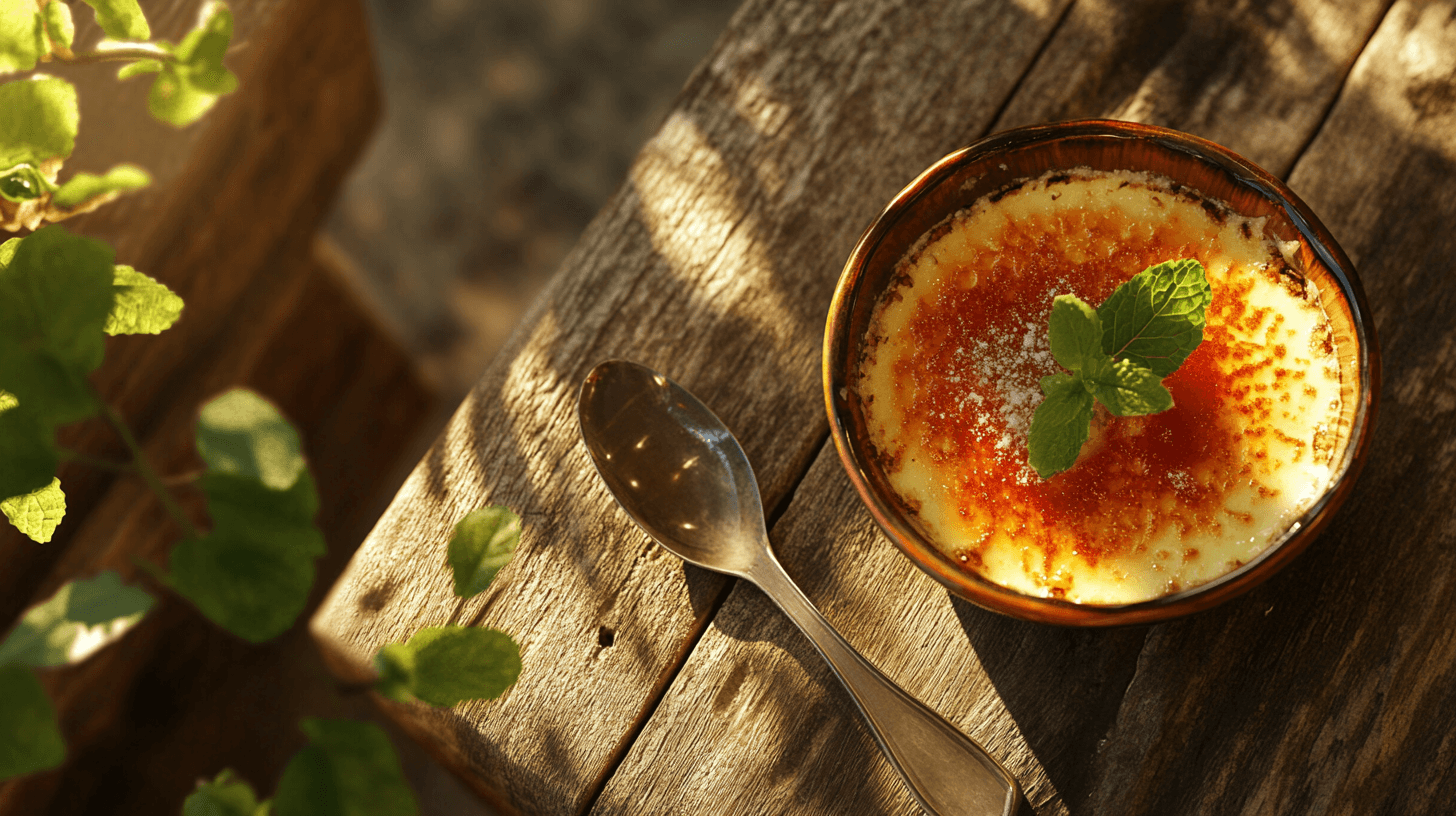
{"x":38,"y":513}
{"x":203,"y":49}
{"x":1074,"y":331}
{"x":55,"y":298}
{"x":1126,"y":388}
{"x":1060,"y":425}
{"x":251,"y":574}
{"x":175,"y":101}
{"x":482,"y":544}
{"x":185,"y":90}
{"x":348,"y":769}
{"x":59,"y":26}
{"x":84,"y":188}
{"x":82,"y":617}
{"x":1156,"y":319}
{"x":22,"y":38}
{"x":227,"y":795}
{"x":242,"y":433}
{"x":40,"y":120}
{"x":121,"y":19}
{"x":443,"y":665}
{"x":30,"y":737}
{"x":142,"y":305}
{"x":28,"y":450}
{"x":131,"y":69}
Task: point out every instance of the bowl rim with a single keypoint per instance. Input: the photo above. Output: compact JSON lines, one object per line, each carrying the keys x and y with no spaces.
{"x":982,"y":592}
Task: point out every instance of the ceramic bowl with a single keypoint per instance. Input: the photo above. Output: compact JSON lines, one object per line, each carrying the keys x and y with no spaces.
{"x":954,"y":183}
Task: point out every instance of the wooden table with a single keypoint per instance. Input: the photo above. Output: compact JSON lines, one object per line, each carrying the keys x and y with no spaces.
{"x":650,"y":687}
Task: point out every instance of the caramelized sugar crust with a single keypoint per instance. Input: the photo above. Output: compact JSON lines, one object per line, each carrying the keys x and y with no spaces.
{"x":950,"y":373}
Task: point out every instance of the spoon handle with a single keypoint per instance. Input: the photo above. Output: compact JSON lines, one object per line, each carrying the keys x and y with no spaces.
{"x":947,"y":772}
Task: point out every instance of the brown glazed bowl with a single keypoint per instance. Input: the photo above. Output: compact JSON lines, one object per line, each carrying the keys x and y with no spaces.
{"x":954,"y":183}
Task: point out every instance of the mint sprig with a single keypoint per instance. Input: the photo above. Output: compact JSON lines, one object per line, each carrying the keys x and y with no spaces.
{"x":1118,"y":354}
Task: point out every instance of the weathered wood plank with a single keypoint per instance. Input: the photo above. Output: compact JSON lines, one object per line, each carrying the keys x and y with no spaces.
{"x":1253,"y":74}
{"x":756,"y":721}
{"x":714,"y":263}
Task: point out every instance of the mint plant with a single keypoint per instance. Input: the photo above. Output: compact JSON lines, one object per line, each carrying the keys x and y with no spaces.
{"x":350,"y":769}
{"x":1118,"y":355}
{"x":250,"y":567}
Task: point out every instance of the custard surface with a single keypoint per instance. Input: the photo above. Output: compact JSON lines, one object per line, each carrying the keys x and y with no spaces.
{"x":949,"y":381}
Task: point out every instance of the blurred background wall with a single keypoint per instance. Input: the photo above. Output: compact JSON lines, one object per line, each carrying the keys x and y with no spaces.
{"x":508,"y":123}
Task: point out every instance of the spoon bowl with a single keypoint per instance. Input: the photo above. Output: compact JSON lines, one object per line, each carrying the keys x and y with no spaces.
{"x":678,"y":472}
{"x":673,"y":466}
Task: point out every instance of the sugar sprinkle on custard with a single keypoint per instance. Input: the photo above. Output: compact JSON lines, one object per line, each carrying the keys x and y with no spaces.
{"x":958,"y":345}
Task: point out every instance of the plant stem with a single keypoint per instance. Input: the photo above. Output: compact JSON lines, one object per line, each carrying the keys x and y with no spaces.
{"x":104,"y":464}
{"x":179,"y":479}
{"x":144,"y":469}
{"x":125,"y":53}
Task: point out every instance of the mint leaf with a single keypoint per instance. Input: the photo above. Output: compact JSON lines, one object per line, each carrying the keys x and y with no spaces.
{"x":348,"y":769}
{"x":80,"y":618}
{"x":131,"y":69}
{"x":121,"y":19}
{"x":1120,"y":353}
{"x":40,"y":120}
{"x":30,"y":737}
{"x":84,"y":188}
{"x":251,"y":574}
{"x":142,"y":305}
{"x":22,"y":39}
{"x":55,"y":297}
{"x":242,"y":433}
{"x":1060,"y":425}
{"x":59,"y":26}
{"x":482,"y":544}
{"x":227,"y":795}
{"x":443,"y":665}
{"x":1074,"y":331}
{"x":183,"y":91}
{"x":38,"y":513}
{"x":1126,"y":388}
{"x":1156,"y":319}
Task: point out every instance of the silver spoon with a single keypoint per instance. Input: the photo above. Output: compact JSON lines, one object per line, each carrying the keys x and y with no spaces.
{"x":676,"y":469}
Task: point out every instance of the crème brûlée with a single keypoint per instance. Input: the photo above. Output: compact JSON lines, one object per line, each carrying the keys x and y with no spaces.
{"x":949,"y":374}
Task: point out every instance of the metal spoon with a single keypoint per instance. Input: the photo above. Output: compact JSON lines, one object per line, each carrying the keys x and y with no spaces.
{"x":678,"y":472}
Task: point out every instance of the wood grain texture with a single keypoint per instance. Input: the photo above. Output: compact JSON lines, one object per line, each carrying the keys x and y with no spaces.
{"x":714,"y":263}
{"x":1253,"y":74}
{"x":1326,"y":690}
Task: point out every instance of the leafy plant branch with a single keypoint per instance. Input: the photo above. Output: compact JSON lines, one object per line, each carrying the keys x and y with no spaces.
{"x":252,"y":566}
